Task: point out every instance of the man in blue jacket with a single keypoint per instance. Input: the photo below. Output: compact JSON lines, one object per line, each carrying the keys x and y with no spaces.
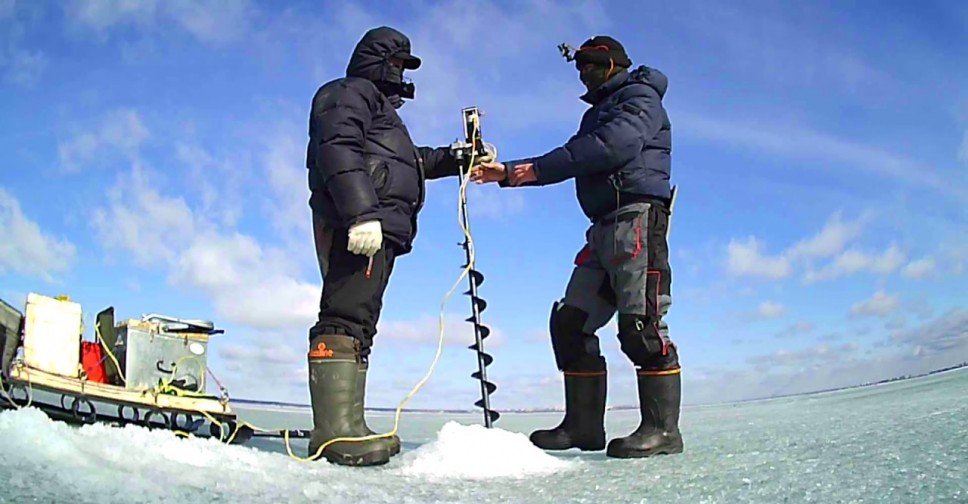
{"x":620,"y":160}
{"x":367,"y":180}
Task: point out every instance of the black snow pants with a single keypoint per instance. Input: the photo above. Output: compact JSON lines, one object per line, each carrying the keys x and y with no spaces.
{"x":350,"y":303}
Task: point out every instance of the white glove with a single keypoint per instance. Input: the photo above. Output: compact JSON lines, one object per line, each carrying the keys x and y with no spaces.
{"x":365,"y":238}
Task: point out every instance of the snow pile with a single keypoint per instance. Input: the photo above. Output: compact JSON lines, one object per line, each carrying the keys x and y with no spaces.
{"x":476,"y":452}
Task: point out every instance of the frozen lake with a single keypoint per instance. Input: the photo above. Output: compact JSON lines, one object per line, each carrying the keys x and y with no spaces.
{"x":904,"y":442}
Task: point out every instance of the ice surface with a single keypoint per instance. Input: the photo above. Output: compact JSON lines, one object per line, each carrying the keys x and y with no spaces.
{"x":897,"y":443}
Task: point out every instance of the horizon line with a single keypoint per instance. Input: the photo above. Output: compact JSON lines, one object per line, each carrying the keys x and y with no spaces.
{"x":628,"y":407}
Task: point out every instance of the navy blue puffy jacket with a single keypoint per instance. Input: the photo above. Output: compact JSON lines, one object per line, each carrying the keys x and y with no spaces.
{"x":622,"y":150}
{"x":362,"y":162}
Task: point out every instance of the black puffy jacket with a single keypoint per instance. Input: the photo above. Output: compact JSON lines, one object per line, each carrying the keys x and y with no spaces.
{"x":362,"y":162}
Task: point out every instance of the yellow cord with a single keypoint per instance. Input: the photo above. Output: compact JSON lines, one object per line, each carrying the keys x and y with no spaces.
{"x":97,"y":332}
{"x":167,"y":387}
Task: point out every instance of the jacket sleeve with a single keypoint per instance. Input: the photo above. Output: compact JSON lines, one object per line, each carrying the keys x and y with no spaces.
{"x":438,"y":162}
{"x":340,"y":132}
{"x":607,"y":147}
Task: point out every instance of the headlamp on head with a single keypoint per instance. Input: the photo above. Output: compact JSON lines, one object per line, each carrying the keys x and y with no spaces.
{"x":567,"y":51}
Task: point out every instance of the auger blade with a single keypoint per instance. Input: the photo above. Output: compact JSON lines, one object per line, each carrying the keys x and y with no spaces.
{"x":487,"y":362}
{"x":481,"y":304}
{"x":477,"y":276}
{"x":484,"y":331}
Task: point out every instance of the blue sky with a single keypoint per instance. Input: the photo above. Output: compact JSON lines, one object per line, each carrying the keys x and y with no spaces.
{"x":154,"y":161}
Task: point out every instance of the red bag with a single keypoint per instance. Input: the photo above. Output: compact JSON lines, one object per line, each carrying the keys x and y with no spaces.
{"x":92,"y":359}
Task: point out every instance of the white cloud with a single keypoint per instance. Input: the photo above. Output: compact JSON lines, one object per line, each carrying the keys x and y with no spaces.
{"x":939,"y":343}
{"x":748,"y":257}
{"x":284,"y":168}
{"x":210,"y":21}
{"x":855,"y":261}
{"x":426,"y":329}
{"x":25,"y":248}
{"x":919,"y":269}
{"x":770,"y":309}
{"x":807,"y":144}
{"x":822,"y":353}
{"x":24,"y":67}
{"x":118,"y":131}
{"x":801,"y":327}
{"x":947,"y":335}
{"x":830,"y":240}
{"x":217,"y":183}
{"x":745,"y":258}
{"x":880,"y":304}
{"x":146,"y":226}
{"x":102,"y":14}
{"x":491,"y":201}
{"x":248,"y":284}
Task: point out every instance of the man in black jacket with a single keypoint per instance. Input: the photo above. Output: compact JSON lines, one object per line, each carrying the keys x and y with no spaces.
{"x":620,"y":160}
{"x":367,"y":180}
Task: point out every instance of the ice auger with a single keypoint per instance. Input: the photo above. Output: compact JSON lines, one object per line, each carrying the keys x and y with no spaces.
{"x":467,"y":152}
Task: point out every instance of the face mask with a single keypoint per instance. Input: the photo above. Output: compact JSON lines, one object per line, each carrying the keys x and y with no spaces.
{"x":393,"y":85}
{"x":593,"y":76}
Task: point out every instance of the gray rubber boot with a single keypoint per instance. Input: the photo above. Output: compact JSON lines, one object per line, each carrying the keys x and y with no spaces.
{"x":658,"y":432}
{"x":333,"y":384}
{"x":393,"y":443}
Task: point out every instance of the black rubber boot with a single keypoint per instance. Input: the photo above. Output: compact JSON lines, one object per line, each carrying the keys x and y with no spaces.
{"x":333,"y":383}
{"x":584,"y":424}
{"x":658,"y":432}
{"x":393,"y":443}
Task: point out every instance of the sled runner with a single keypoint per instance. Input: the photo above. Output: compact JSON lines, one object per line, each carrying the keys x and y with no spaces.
{"x":149,"y":372}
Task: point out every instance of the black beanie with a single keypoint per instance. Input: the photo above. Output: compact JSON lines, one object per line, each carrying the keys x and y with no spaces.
{"x":602,"y":50}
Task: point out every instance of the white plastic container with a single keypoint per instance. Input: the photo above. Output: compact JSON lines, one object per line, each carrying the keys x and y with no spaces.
{"x":52,"y":335}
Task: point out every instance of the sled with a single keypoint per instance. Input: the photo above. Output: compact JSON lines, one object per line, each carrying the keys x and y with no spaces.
{"x":148,"y":372}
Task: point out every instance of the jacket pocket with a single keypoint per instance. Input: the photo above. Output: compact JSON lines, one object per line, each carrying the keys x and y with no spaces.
{"x":381,"y":179}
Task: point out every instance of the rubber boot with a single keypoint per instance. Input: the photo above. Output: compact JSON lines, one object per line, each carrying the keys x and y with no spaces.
{"x":333,"y":383}
{"x":584,"y":424}
{"x":658,"y":432}
{"x":393,"y":443}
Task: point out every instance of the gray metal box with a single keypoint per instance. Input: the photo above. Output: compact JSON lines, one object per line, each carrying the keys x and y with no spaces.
{"x":10,"y":322}
{"x":148,"y":355}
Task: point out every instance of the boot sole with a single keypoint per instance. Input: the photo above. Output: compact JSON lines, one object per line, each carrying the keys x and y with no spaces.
{"x":626,"y":454}
{"x":596,"y":446}
{"x":564,"y":448}
{"x":373,"y":458}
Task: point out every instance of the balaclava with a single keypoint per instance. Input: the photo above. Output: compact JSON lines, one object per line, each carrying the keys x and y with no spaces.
{"x":605,"y":54}
{"x":371,"y":60}
{"x":393,"y":86}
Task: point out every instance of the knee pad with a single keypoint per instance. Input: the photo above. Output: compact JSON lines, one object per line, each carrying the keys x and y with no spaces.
{"x":574,"y":349}
{"x":641,"y":342}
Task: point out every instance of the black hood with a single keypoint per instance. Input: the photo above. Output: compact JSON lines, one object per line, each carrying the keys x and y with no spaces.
{"x":371,"y":57}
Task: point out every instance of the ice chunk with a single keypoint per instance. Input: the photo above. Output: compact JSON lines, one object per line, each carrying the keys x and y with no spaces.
{"x":476,"y":452}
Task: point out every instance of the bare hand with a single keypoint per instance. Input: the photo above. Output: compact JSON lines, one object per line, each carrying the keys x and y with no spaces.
{"x":522,"y":174}
{"x":489,"y":171}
